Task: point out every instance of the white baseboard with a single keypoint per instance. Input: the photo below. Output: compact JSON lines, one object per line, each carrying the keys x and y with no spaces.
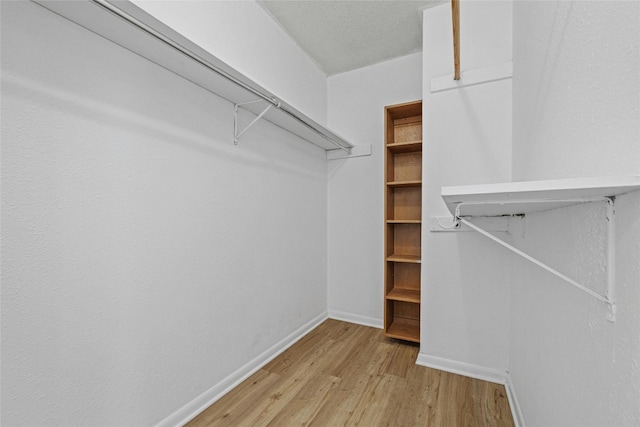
{"x":200,"y":403}
{"x":462,"y":368}
{"x":356,"y":318}
{"x":516,"y":412}
{"x":478,"y":372}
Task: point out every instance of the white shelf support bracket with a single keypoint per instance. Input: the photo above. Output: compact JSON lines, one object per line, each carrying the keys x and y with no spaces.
{"x":236,"y":134}
{"x":611,"y":258}
{"x":609,"y":298}
{"x":357,"y":151}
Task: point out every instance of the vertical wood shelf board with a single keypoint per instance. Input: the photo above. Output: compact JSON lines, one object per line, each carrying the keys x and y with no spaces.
{"x":403,"y":213}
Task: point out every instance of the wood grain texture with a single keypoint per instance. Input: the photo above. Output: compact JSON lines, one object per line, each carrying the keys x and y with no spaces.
{"x":403,"y":201}
{"x":455,"y":16}
{"x":407,"y":166}
{"x":342,"y":374}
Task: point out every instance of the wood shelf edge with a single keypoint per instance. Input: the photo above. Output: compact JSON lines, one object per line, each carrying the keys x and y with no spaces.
{"x":404,"y":329}
{"x":405,"y":147}
{"x":415,"y":259}
{"x":404,"y":295}
{"x":419,"y":141}
{"x":413,"y":183}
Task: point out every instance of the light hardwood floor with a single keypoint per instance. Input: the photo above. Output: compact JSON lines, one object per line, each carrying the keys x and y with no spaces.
{"x":342,"y":374}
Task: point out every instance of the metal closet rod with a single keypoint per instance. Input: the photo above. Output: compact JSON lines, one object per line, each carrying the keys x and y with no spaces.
{"x":197,"y":58}
{"x":346,"y":149}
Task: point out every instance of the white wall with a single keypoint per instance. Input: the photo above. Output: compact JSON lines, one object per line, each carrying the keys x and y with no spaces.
{"x":576,"y":97}
{"x":145,"y":258}
{"x":466,"y":140}
{"x":356,"y":197}
{"x":578,"y":86}
{"x":244,"y":36}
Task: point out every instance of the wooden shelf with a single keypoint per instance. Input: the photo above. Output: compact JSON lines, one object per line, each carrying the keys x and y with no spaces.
{"x":129,"y":26}
{"x":414,"y":259}
{"x":399,"y":184}
{"x":405,"y":147}
{"x":404,"y":329}
{"x":404,"y":221}
{"x":406,"y":295}
{"x":517,"y":198}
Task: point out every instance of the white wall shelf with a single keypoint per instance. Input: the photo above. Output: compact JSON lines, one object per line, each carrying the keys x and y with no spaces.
{"x":132,"y":28}
{"x":478,"y":76}
{"x":521,"y":198}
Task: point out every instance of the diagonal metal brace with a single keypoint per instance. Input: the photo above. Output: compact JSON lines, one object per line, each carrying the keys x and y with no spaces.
{"x":609,"y":298}
{"x":236,"y":134}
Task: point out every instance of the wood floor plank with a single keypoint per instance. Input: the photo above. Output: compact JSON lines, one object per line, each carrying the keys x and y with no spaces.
{"x":341,"y":374}
{"x":402,"y":362}
{"x":305,"y":406}
{"x":230,"y":409}
{"x":291,"y":382}
{"x":415,"y":400}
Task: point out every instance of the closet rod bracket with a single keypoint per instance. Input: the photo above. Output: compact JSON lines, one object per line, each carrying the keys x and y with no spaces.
{"x":237,"y":134}
{"x":609,"y":297}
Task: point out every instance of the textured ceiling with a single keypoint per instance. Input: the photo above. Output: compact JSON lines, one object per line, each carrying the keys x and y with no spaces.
{"x":348,"y":34}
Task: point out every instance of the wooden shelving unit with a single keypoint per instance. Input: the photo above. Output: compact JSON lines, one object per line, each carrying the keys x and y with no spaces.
{"x":403,"y":220}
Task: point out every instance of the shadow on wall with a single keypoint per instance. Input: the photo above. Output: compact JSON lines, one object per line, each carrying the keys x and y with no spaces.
{"x":217,"y":142}
{"x":547,"y":75}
